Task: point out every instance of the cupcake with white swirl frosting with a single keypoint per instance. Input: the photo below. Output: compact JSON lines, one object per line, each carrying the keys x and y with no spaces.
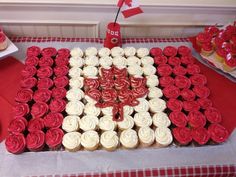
{"x":149,"y":70}
{"x":109,"y":140}
{"x":135,"y":70}
{"x":160,"y":119}
{"x":157,"y":105}
{"x":154,"y":92}
{"x":133,"y":60}
{"x":90,"y":71}
{"x":75,"y":72}
{"x":70,"y":123}
{"x":117,"y":51}
{"x":105,"y":61}
{"x":88,"y":122}
{"x":74,"y":94}
{"x":91,"y":51}
{"x":72,"y":141}
{"x":163,"y":137}
{"x":129,"y":139}
{"x":91,"y":61}
{"x":106,"y":123}
{"x":91,"y":109}
{"x":77,"y":82}
{"x":76,"y":52}
{"x":127,"y":123}
{"x":119,"y":62}
{"x":76,"y":62}
{"x":104,"y":52}
{"x":74,"y":108}
{"x":147,"y":60}
{"x":142,"y":52}
{"x":146,"y":136}
{"x":128,"y":110}
{"x":107,"y":111}
{"x":152,"y":81}
{"x":130,"y":51}
{"x":142,"y":119}
{"x":90,"y":140}
{"x":143,"y":105}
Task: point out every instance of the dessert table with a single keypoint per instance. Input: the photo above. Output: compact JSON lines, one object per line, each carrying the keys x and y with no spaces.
{"x":209,"y":160}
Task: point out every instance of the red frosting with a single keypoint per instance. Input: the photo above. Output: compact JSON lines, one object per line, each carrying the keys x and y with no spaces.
{"x":2,"y":37}
{"x":63,"y":53}
{"x":109,"y":95}
{"x":54,"y":138}
{"x":218,"y":133}
{"x":156,"y":51}
{"x":61,"y":61}
{"x":230,"y":60}
{"x":174,"y":104}
{"x":187,"y":60}
{"x":28,"y":71}
{"x":218,"y":42}
{"x":166,"y":81}
{"x":31,"y":61}
{"x":170,"y":51}
{"x":160,"y":60}
{"x":39,"y":109}
{"x":119,"y":73}
{"x":45,"y":61}
{"x":61,"y":82}
{"x":191,"y":106}
{"x":24,"y":95}
{"x":17,"y":125}
{"x":213,"y":115}
{"x":57,"y":105}
{"x":28,"y":83}
{"x":53,"y":120}
{"x":204,"y":37}
{"x":196,"y":119}
{"x":45,"y":83}
{"x":124,"y":95}
{"x":44,"y":72}
{"x":35,"y":140}
{"x":193,"y":69}
{"x":33,"y":51}
{"x":49,"y":52}
{"x":207,"y":47}
{"x":182,"y":82}
{"x":42,"y":95}
{"x":122,"y":83}
{"x":188,"y":95}
{"x":21,"y":109}
{"x":35,"y":124}
{"x":58,"y":93}
{"x":212,"y":30}
{"x":182,"y":135}
{"x":140,"y":92}
{"x":90,"y":83}
{"x":221,"y":52}
{"x":94,"y":94}
{"x":137,"y":82}
{"x":198,"y":79}
{"x":204,"y":103}
{"x":61,"y":71}
{"x":15,"y":143}
{"x":178,"y":118}
{"x":164,"y":70}
{"x":174,"y":61}
{"x":201,"y":91}
{"x":106,"y":83}
{"x":184,"y":50}
{"x":171,"y":92}
{"x":200,"y":135}
{"x":107,"y":73}
{"x":179,"y":71}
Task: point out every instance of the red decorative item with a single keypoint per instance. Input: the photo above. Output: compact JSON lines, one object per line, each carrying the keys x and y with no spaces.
{"x":113,"y":36}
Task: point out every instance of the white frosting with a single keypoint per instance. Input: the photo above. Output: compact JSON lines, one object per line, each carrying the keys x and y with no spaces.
{"x":105,"y":61}
{"x":129,"y":138}
{"x":160,"y":119}
{"x":147,"y":60}
{"x":74,"y":94}
{"x":76,"y":62}
{"x":76,"y":82}
{"x":157,"y":105}
{"x":135,"y":70}
{"x":90,"y":139}
{"x":75,"y":72}
{"x":106,"y":123}
{"x":129,"y":51}
{"x":149,"y":70}
{"x":91,"y":51}
{"x":72,"y":140}
{"x":76,"y":52}
{"x":119,"y":61}
{"x":163,"y":136}
{"x":74,"y":108}
{"x":88,"y":122}
{"x":146,"y":135}
{"x":143,"y":119}
{"x":107,"y":111}
{"x":104,"y":52}
{"x":143,"y":105}
{"x":142,"y":52}
{"x":90,"y":71}
{"x":109,"y":139}
{"x":91,"y":61}
{"x":117,"y":51}
{"x":133,"y":61}
{"x":152,"y":81}
{"x":127,"y":123}
{"x":91,"y":109}
{"x":128,"y":110}
{"x":154,"y":92}
{"x":89,"y":99}
{"x":70,"y":123}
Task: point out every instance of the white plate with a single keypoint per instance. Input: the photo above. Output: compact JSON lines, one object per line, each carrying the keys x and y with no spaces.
{"x":9,"y":50}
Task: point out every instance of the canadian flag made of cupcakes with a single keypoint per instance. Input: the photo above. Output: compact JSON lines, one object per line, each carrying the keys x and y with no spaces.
{"x":107,"y":99}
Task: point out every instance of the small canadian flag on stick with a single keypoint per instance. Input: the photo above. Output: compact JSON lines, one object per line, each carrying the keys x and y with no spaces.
{"x":129,"y":7}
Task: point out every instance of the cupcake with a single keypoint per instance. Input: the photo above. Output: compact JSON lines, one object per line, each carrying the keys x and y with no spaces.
{"x":35,"y":140}
{"x":91,"y":51}
{"x":91,"y":61}
{"x":178,"y":118}
{"x":133,"y":60}
{"x":213,"y":115}
{"x":90,"y":140}
{"x":158,"y":60}
{"x":157,"y":105}
{"x":135,"y":70}
{"x":174,"y":104}
{"x":70,"y":123}
{"x":103,"y":52}
{"x":130,"y":51}
{"x":15,"y":143}
{"x":142,"y":52}
{"x":143,"y":119}
{"x":109,"y":140}
{"x":147,"y":61}
{"x":105,"y":61}
{"x":3,"y":41}
{"x":90,"y":71}
{"x":129,"y":139}
{"x":107,"y":111}
{"x":156,"y":51}
{"x":75,"y":72}
{"x":229,"y":63}
{"x":207,"y":49}
{"x":72,"y":141}
{"x":160,"y":119}
{"x":74,"y":108}
{"x":163,"y":137}
{"x":106,"y":123}
{"x":128,"y":110}
{"x":74,"y":94}
{"x":218,"y":133}
{"x":146,"y":136}
{"x":143,"y":105}
{"x":196,"y":119}
{"x":76,"y":52}
{"x":200,"y":135}
{"x":76,"y":62}
{"x":127,"y":123}
{"x":220,"y":55}
{"x":182,"y":135}
{"x":154,"y":92}
{"x":117,"y":51}
{"x":170,"y":51}
{"x":166,"y":81}
{"x":91,"y":109}
{"x":203,"y":38}
{"x":119,"y":62}
{"x":149,"y":70}
{"x":77,"y":82}
{"x":53,"y":138}
{"x":88,"y":122}
{"x":152,"y":81}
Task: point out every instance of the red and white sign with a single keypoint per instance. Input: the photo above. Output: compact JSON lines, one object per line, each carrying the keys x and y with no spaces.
{"x":129,"y":7}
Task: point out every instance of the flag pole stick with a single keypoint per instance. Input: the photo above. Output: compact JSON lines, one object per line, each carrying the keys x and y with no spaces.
{"x":118,"y":12}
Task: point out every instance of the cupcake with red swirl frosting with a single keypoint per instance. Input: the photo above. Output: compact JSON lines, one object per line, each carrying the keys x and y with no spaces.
{"x":170,"y":51}
{"x":24,"y":95}
{"x":156,"y":51}
{"x":28,"y":83}
{"x":17,"y":125}
{"x":191,"y":106}
{"x":179,"y":119}
{"x":174,"y":61}
{"x":158,"y":60}
{"x":44,"y":72}
{"x":204,"y":103}
{"x":182,"y":82}
{"x":200,"y":135}
{"x":53,"y":120}
{"x":35,"y":124}
{"x":198,"y":79}
{"x":42,"y":95}
{"x":58,"y":93}
{"x":45,"y":83}
{"x":57,"y":105}
{"x":45,"y":61}
{"x":193,"y":69}
{"x":35,"y":140}
{"x":53,"y":138}
{"x":15,"y":143}
{"x":61,"y":82}
{"x":187,"y":95}
{"x":179,"y":71}
{"x":164,"y":70}
{"x":207,"y":49}
{"x":229,"y":63}
{"x":212,"y":30}
{"x":182,"y":135}
{"x":218,"y":133}
{"x":184,"y":50}
{"x":186,"y":60}
{"x":171,"y":92}
{"x":174,"y":104}
{"x":28,"y":71}
{"x":196,"y":119}
{"x":213,"y":115}
{"x":201,"y":91}
{"x":31,"y":61}
{"x":166,"y":81}
{"x":39,"y":109}
{"x":203,"y":38}
{"x":33,"y":51}
{"x":61,"y":61}
{"x":220,"y":54}
{"x":49,"y":52}
{"x":21,"y":109}
{"x":61,"y":71}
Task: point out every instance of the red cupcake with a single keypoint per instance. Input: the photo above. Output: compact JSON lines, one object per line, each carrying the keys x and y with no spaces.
{"x":49,"y":52}
{"x":61,"y":61}
{"x":33,"y":51}
{"x":109,"y":95}
{"x":57,"y":105}
{"x":58,"y":93}
{"x":42,"y":95}
{"x":196,"y":119}
{"x":182,"y":82}
{"x":28,"y":71}
{"x":184,"y":50}
{"x":164,"y":70}
{"x":174,"y":61}
{"x":15,"y":143}
{"x":45,"y":83}
{"x":61,"y":82}
{"x":166,"y":81}
{"x":24,"y":95}
{"x":170,"y":51}
{"x":63,"y":52}
{"x":198,"y":79}
{"x":191,"y":106}
{"x":182,"y":135}
{"x":204,"y":103}
{"x":187,"y":95}
{"x":28,"y":83}
{"x":94,"y":94}
{"x":122,"y":83}
{"x":35,"y":124}
{"x":156,"y":51}
{"x":31,"y":61}
{"x":35,"y":140}
{"x":44,"y":72}
{"x":17,"y":125}
{"x":201,"y":91}
{"x":54,"y":138}
{"x":178,"y":118}
{"x":137,"y":82}
{"x":218,"y":133}
{"x":200,"y":135}
{"x":39,"y":109}
{"x":174,"y":104}
{"x":120,"y":73}
{"x":90,"y":83}
{"x":203,"y":37}
{"x":53,"y":120}
{"x":213,"y":115}
{"x":61,"y":71}
{"x":212,"y":30}
{"x":179,"y":71}
{"x":193,"y":69}
{"x":46,"y":61}
{"x":160,"y":60}
{"x":106,"y":83}
{"x":171,"y":92}
{"x":21,"y":110}
{"x":186,"y":60}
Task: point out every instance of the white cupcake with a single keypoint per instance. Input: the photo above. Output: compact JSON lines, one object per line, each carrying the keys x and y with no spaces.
{"x":109,"y":140}
{"x":143,"y":105}
{"x":105,"y":61}
{"x":75,"y":72}
{"x":129,"y":139}
{"x":107,"y":111}
{"x":104,"y":52}
{"x":91,"y":51}
{"x":77,"y":82}
{"x":160,"y":119}
{"x":154,"y":92}
{"x":157,"y":105}
{"x":106,"y":123}
{"x":119,"y":62}
{"x":88,"y":122}
{"x":76,"y":52}
{"x":135,"y":70}
{"x":163,"y":137}
{"x":127,"y":123}
{"x":88,"y":99}
{"x":74,"y":94}
{"x":133,"y":61}
{"x":74,"y":108}
{"x":70,"y":123}
{"x":142,"y":52}
{"x":143,"y":119}
{"x":128,"y":110}
{"x":146,"y":136}
{"x":90,"y":71}
{"x":130,"y":51}
{"x":149,"y":70}
{"x":147,"y":60}
{"x":90,"y":140}
{"x":76,"y":62}
{"x":72,"y":141}
{"x":152,"y":81}
{"x":91,"y":109}
{"x":117,"y":51}
{"x":91,"y":61}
